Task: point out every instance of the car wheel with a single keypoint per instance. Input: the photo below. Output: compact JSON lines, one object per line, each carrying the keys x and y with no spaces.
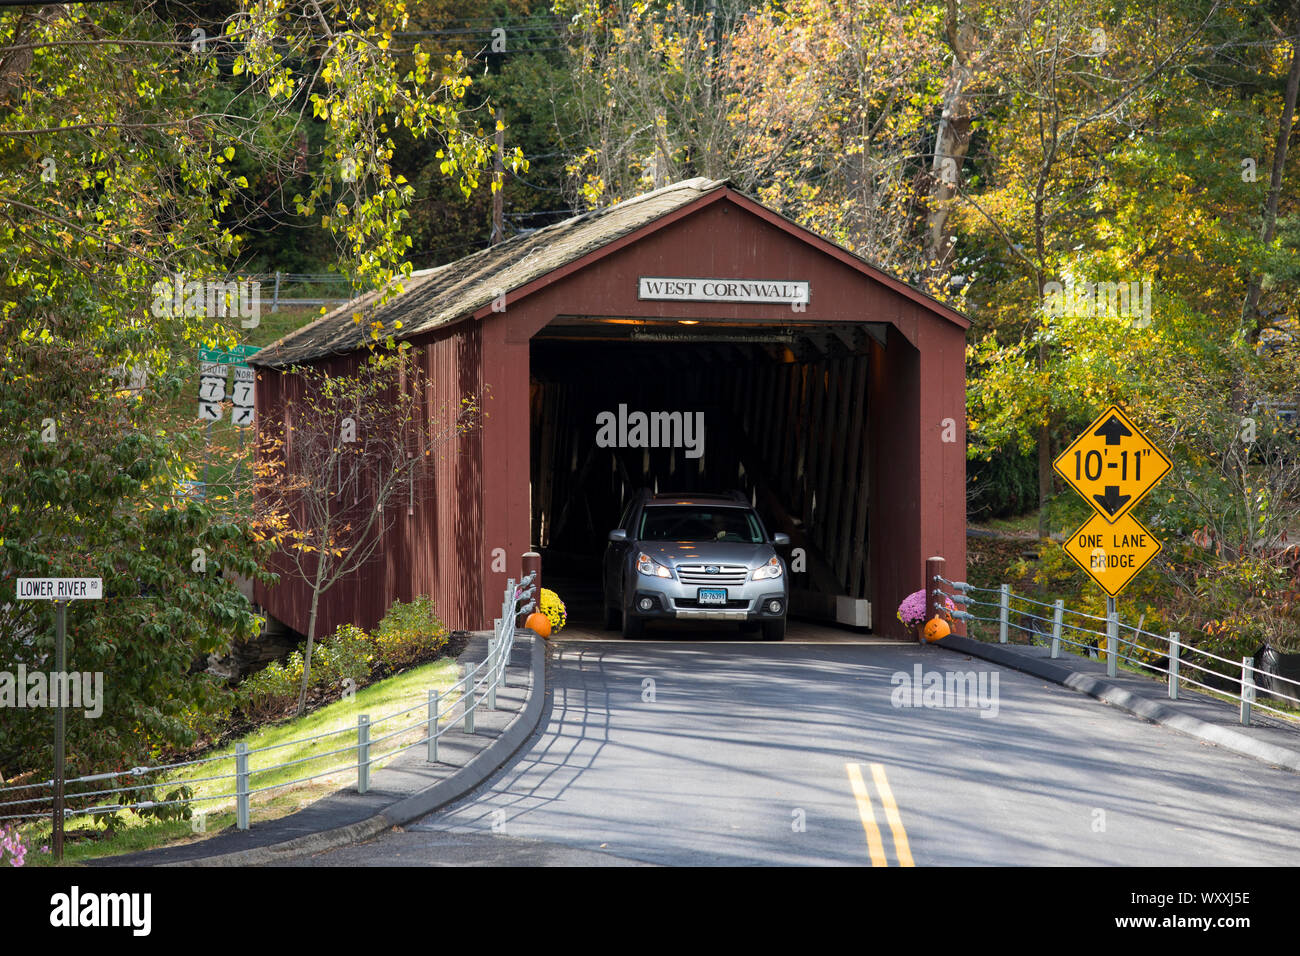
{"x":633,"y":627}
{"x":774,"y":630}
{"x":613,"y":619}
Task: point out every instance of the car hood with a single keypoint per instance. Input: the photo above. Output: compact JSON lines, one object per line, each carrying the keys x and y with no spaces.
{"x":672,"y":553}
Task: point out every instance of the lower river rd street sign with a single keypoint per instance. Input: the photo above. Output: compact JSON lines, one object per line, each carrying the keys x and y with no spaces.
{"x":60,"y":589}
{"x":1112,"y":552}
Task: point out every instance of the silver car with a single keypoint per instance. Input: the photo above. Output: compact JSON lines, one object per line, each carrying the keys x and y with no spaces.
{"x":694,"y":558}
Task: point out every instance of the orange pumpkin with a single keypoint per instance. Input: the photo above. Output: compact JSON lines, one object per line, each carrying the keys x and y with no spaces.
{"x":936,"y":629}
{"x":540,"y":623}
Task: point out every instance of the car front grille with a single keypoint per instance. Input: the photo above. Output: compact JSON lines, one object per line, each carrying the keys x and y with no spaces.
{"x":728,"y":575}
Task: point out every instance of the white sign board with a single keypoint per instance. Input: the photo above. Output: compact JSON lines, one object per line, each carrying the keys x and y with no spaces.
{"x":60,"y":589}
{"x":242,"y":396}
{"x":755,"y":291}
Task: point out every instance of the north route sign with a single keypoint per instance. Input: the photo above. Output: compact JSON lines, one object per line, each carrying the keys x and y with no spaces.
{"x":1111,"y":553}
{"x":1112,"y":465}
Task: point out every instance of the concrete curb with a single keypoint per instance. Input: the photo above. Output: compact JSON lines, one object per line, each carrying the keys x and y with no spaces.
{"x":486,"y":763}
{"x":1139,"y":706}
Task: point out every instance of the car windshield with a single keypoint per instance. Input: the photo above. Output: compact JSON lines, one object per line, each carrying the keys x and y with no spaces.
{"x":687,"y":523}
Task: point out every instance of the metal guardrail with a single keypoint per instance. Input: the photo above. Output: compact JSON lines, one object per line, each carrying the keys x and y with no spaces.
{"x":479,"y":684}
{"x":1177,"y":655}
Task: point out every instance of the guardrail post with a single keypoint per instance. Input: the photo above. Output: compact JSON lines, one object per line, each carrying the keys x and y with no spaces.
{"x":491,"y":669}
{"x":363,"y":753}
{"x":934,"y":568}
{"x":1173,"y":664}
{"x":433,"y":726}
{"x":505,"y":642}
{"x":1247,"y":690}
{"x":470,"y":703}
{"x":241,"y":786}
{"x":1058,"y":609}
{"x":1004,"y":611}
{"x":1112,"y":638}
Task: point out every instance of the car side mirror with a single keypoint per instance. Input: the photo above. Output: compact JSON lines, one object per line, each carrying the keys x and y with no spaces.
{"x":618,"y":534}
{"x":781,"y":539}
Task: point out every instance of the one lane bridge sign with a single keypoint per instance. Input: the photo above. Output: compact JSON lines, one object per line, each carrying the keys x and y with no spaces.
{"x":1112,"y":553}
{"x":1112,"y":465}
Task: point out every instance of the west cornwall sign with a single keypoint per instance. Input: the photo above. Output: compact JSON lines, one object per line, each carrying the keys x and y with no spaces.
{"x":757,"y":291}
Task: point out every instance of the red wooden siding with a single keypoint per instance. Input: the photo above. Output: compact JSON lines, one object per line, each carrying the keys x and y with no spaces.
{"x":429,"y":551}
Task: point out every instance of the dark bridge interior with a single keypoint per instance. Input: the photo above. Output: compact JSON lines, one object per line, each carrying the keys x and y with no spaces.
{"x":785,"y":420}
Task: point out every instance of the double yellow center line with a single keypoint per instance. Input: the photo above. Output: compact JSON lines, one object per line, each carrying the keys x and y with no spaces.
{"x":875,"y":845}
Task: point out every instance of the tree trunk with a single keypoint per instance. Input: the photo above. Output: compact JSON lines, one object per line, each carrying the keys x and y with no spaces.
{"x":1044,"y":478}
{"x":311,"y":635}
{"x":1249,"y":312}
{"x":951,"y":143}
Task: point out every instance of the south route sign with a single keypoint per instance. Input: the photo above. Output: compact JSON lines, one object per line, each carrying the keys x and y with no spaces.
{"x":1112,"y":465}
{"x":1112,"y":552}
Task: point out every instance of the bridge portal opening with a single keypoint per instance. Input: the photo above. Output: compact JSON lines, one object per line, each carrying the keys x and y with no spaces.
{"x":781,"y":414}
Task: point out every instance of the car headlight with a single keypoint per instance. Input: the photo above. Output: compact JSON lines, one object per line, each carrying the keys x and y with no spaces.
{"x":770,"y":570}
{"x":650,"y":567}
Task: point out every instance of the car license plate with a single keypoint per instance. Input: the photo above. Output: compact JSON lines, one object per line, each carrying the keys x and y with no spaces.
{"x":713,"y":596}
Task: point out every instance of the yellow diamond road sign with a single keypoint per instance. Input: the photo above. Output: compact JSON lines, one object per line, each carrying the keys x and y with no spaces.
{"x":1112,"y":465}
{"x":1112,"y":552}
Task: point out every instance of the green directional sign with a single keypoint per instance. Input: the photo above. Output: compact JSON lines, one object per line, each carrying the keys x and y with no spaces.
{"x":236,"y":356}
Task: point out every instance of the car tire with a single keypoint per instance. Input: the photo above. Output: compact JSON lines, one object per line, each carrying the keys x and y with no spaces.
{"x":613,"y":619}
{"x":774,"y":630}
{"x":633,"y":627}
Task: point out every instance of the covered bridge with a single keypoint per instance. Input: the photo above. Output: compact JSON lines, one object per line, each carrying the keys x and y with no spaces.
{"x":830,"y":392}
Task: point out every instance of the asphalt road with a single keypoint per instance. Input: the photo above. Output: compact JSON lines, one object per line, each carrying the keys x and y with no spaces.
{"x":687,"y":753}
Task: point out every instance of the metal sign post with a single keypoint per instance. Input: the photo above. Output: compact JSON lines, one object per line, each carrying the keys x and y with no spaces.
{"x":60,"y":658}
{"x":61,"y":591}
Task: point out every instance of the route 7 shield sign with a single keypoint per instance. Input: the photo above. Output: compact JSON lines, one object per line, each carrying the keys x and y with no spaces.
{"x":1112,"y":465}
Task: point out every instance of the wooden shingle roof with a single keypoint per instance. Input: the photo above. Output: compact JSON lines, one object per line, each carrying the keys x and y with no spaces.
{"x":436,"y":297}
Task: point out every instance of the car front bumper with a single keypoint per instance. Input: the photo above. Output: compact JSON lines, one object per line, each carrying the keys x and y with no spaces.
{"x":682,"y":604}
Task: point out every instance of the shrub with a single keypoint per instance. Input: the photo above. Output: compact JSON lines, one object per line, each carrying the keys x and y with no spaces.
{"x":409,"y":633}
{"x":271,"y":689}
{"x":346,"y":655}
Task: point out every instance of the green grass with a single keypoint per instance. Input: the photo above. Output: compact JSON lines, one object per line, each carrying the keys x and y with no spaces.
{"x":1017,"y":524}
{"x":384,"y":697}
